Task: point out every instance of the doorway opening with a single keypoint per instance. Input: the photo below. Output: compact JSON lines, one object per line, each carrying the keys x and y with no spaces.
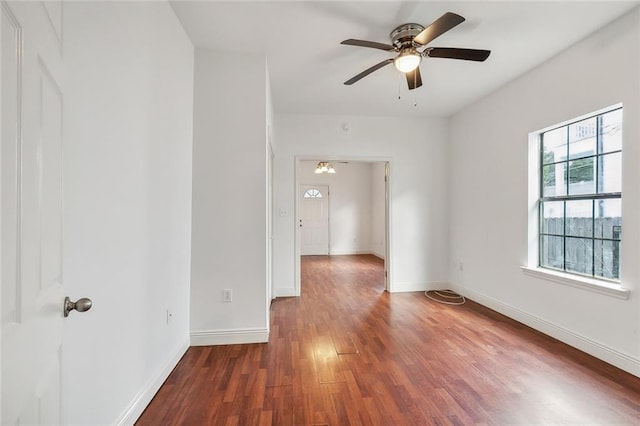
{"x":342,"y":213}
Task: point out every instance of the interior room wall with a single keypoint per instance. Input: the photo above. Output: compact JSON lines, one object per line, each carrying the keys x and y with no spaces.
{"x":128,"y":101}
{"x":229,"y":234}
{"x":416,"y":149}
{"x":489,"y":181}
{"x":378,"y":229}
{"x":349,"y":205}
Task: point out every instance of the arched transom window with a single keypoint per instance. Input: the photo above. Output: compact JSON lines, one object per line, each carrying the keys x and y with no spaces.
{"x":313,"y":193}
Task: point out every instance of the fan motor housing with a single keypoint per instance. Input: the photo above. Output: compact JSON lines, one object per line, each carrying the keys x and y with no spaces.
{"x":403,"y":35}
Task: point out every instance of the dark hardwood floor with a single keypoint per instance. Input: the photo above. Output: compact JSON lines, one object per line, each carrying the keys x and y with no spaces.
{"x":346,"y":352}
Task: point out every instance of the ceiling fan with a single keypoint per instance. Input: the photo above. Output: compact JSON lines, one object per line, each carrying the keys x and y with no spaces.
{"x":407,"y":39}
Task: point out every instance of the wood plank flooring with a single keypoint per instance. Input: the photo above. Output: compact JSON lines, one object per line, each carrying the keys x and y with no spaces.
{"x":348,"y":353}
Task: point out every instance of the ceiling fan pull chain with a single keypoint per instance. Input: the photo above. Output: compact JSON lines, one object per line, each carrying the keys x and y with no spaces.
{"x":415,"y":83}
{"x":399,"y":84}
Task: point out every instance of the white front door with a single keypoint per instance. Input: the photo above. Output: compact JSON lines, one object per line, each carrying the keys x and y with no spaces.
{"x":31,"y":232}
{"x":314,"y":219}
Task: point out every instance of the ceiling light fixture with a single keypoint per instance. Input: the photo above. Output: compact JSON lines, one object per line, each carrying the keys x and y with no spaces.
{"x":324,"y":167}
{"x":407,"y":60}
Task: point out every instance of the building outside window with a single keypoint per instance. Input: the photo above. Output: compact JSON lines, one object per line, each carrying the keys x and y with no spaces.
{"x":580,"y":214}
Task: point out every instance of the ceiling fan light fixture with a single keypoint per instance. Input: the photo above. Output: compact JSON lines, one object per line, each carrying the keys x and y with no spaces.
{"x":407,"y":38}
{"x":407,"y":60}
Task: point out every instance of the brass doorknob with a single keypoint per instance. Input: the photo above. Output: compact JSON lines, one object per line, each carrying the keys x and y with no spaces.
{"x":80,"y":305}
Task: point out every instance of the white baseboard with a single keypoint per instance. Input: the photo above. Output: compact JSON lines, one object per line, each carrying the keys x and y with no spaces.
{"x":404,"y":287}
{"x":376,"y":254}
{"x":284,"y":292}
{"x":348,"y":252}
{"x":144,"y":397}
{"x":351,"y":253}
{"x":229,"y":337}
{"x":607,"y":354}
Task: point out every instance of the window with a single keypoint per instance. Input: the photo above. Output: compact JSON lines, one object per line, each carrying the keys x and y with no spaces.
{"x":579,"y":204}
{"x":313,"y":193}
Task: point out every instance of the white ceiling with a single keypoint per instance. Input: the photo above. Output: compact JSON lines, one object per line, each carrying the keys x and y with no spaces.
{"x":307,"y":64}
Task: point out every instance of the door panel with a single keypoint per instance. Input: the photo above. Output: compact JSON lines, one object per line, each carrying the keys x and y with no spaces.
{"x":314,"y":220}
{"x":32,"y":278}
{"x":51,"y":179}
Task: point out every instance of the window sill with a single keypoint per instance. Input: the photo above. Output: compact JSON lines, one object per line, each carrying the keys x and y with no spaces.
{"x":597,"y":286}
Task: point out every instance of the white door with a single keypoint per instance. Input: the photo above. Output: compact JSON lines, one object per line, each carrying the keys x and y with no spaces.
{"x":31,"y":173}
{"x":314,"y":219}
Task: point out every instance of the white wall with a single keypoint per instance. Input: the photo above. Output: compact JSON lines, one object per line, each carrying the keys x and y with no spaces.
{"x":378,"y":229}
{"x":488,"y":184}
{"x":349,"y":204}
{"x":229,"y":243}
{"x":128,"y":138}
{"x":417,"y":152}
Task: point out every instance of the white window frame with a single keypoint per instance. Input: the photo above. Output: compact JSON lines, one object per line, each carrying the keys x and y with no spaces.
{"x":611,"y":288}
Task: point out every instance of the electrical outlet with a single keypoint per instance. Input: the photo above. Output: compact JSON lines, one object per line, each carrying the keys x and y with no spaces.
{"x":227,"y":295}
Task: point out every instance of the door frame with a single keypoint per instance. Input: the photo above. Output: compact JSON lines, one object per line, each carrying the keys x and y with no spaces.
{"x":270,"y":157}
{"x":388,"y":261}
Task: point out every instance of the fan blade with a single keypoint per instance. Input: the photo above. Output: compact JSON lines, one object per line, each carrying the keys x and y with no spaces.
{"x":438,"y":27}
{"x":454,"y":53}
{"x":368,"y":71}
{"x":371,"y":44}
{"x":413,"y":78}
